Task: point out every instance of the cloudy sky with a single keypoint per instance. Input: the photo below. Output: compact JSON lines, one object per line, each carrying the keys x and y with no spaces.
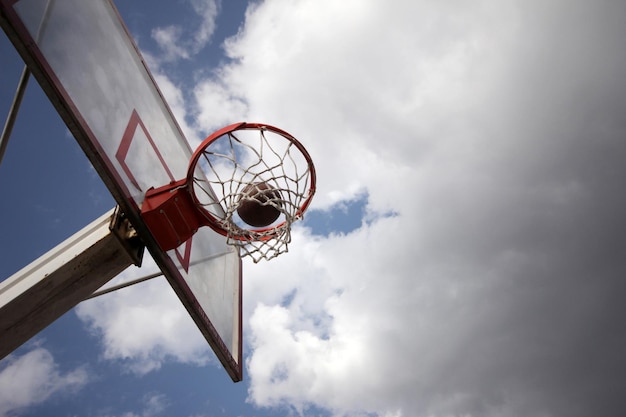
{"x":465,"y":253}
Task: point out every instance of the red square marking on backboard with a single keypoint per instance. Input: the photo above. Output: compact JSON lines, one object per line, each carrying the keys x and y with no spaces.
{"x":135,"y":121}
{"x":127,"y":138}
{"x":185,"y":257}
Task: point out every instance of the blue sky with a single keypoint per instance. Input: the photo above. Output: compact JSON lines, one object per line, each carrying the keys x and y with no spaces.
{"x":464,"y":253}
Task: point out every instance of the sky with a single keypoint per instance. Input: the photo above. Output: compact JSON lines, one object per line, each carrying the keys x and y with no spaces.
{"x":465,"y":252}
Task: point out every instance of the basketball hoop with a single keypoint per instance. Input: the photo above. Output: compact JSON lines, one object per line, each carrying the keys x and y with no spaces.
{"x":240,"y":178}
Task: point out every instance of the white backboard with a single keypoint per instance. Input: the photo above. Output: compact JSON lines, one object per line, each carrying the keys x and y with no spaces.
{"x":89,"y":66}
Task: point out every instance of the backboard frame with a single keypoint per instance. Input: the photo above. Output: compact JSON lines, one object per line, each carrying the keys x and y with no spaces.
{"x":27,"y":47}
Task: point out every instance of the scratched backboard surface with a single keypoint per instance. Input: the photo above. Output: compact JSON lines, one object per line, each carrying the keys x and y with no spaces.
{"x":84,"y":58}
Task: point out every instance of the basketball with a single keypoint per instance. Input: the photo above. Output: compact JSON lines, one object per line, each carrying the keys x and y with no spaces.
{"x":257,"y":204}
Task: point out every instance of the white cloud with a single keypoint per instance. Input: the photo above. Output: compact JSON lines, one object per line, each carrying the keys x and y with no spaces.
{"x":183,"y":41}
{"x":168,"y":39}
{"x":208,"y":11}
{"x":32,"y":378}
{"x":153,"y":404}
{"x":217,"y":106}
{"x":495,"y":131}
{"x":368,"y":75}
{"x":144,"y":325}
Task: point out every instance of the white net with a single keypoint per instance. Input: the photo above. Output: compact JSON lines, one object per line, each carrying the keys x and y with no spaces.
{"x":233,"y":161}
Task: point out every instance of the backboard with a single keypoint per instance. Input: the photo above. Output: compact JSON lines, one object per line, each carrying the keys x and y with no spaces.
{"x":85,"y":60}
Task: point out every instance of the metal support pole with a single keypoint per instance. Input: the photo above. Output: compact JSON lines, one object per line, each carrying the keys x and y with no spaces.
{"x":13,"y":110}
{"x":21,"y":87}
{"x":124,"y":285}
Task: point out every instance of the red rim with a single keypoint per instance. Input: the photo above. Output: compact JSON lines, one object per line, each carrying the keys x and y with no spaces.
{"x":214,"y":222}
